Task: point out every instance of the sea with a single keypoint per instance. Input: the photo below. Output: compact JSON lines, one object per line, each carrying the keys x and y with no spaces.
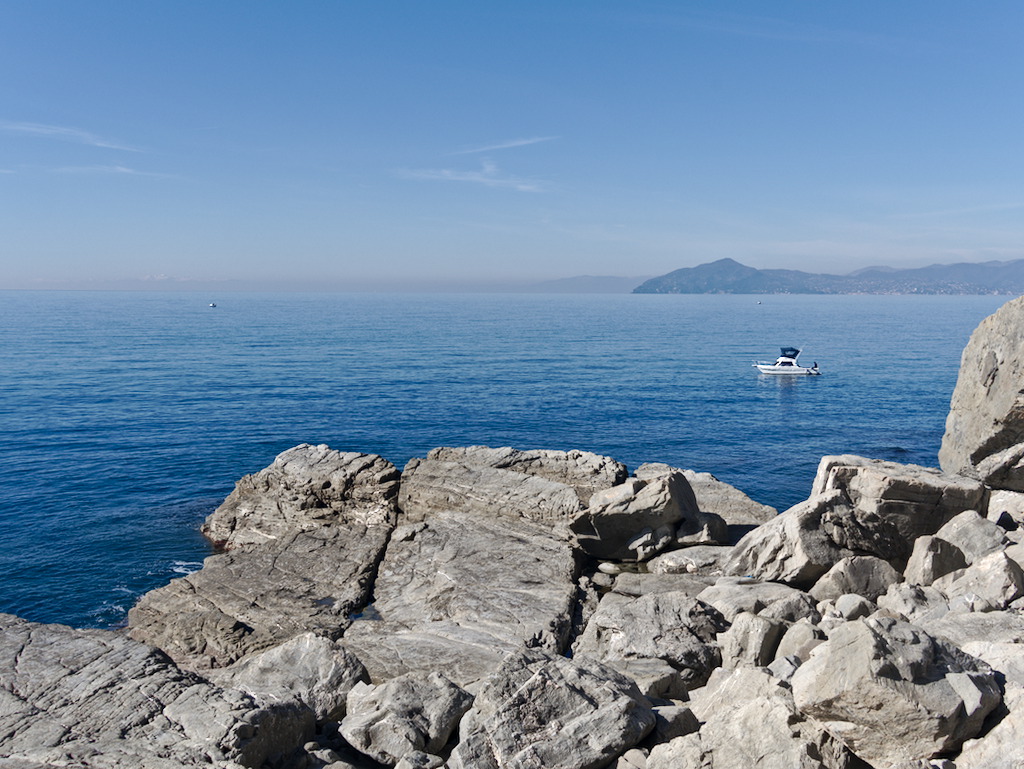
{"x":127,"y":417}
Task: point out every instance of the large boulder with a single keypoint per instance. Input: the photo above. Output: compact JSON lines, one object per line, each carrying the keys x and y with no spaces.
{"x":458,"y":592}
{"x":894,"y":693}
{"x":636,"y":519}
{"x":750,"y":720}
{"x":314,"y":670}
{"x":793,"y":547}
{"x":587,"y":473}
{"x":94,"y":698}
{"x":893,"y":503}
{"x":305,"y":487}
{"x":543,"y":710}
{"x":246,"y":601}
{"x":668,"y":626}
{"x":716,"y":497}
{"x":432,"y":486}
{"x":408,"y":714}
{"x":984,"y":436}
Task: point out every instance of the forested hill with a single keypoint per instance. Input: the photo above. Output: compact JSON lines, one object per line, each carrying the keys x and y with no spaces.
{"x":727,"y":276}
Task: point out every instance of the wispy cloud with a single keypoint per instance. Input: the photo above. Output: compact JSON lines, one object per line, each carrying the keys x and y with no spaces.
{"x":506,"y":145}
{"x":61,"y":133}
{"x":488,"y":175}
{"x":117,"y":170}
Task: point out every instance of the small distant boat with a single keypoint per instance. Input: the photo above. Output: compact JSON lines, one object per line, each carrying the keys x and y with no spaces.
{"x":787,"y":363}
{"x":213,"y":304}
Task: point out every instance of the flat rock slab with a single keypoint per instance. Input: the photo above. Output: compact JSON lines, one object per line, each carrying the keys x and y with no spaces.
{"x":305,"y":487}
{"x":87,"y":698}
{"x":458,"y":592}
{"x":246,"y":601}
{"x":543,"y":710}
{"x":585,"y":472}
{"x":432,"y":486}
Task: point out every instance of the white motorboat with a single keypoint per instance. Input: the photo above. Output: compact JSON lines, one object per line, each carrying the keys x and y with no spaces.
{"x":787,"y":363}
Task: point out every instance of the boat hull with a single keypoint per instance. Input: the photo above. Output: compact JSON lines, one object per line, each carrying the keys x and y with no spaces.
{"x":786,"y":370}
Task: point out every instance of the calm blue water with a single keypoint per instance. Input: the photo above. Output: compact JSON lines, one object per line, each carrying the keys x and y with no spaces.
{"x":126,"y":417}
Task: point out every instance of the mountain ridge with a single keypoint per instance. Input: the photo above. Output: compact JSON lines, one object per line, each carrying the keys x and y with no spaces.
{"x":727,"y":276}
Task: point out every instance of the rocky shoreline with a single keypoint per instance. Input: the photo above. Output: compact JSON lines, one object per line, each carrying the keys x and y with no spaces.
{"x":489,"y":607}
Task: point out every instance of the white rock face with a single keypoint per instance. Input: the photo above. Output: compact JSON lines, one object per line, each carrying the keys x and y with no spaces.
{"x":894,"y":693}
{"x":985,"y":425}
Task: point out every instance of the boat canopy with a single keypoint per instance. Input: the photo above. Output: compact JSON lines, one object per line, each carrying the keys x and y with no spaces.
{"x":790,"y":352}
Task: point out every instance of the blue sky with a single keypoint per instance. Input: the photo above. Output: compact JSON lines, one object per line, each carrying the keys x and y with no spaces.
{"x":359,"y":144}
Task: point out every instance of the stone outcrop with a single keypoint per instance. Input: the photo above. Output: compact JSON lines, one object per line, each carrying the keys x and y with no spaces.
{"x":95,"y":698}
{"x":715,"y":497}
{"x":458,"y":592}
{"x":304,"y":488}
{"x":585,"y":472}
{"x":434,"y":486}
{"x":984,"y":436}
{"x":244,"y":602}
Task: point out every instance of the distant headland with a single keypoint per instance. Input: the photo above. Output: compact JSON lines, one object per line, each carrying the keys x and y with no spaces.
{"x":727,"y":276}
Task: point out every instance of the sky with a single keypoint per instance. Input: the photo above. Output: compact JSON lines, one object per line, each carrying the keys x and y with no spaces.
{"x":347,"y":145}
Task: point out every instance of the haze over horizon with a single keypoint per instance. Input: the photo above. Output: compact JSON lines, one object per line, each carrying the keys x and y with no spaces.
{"x":361,"y":145}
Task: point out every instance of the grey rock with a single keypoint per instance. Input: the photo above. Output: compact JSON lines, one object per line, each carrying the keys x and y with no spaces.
{"x":973,"y":535}
{"x":893,"y":503}
{"x":793,"y":547}
{"x":716,"y":497}
{"x":585,"y":472}
{"x":655,"y":678}
{"x":669,"y":626}
{"x":671,"y":721}
{"x":913,"y":603}
{"x":419,"y":760}
{"x":732,"y":595}
{"x":1002,"y":502}
{"x":246,"y":601}
{"x":853,"y":606}
{"x":698,"y":559}
{"x":458,"y":592}
{"x":543,"y":710}
{"x":705,"y":529}
{"x":894,"y":693}
{"x":798,"y":641}
{"x":783,"y":668}
{"x":432,"y":486}
{"x":932,"y":558}
{"x":639,"y":513}
{"x":305,"y":487}
{"x":864,"y":575}
{"x":964,"y":629}
{"x":636,"y":585}
{"x":992,"y":582}
{"x":94,"y":698}
{"x":1001,"y":747}
{"x":750,"y":720}
{"x":986,"y":415}
{"x":792,"y":608}
{"x":410,"y":713}
{"x":751,"y":640}
{"x":634,"y":758}
{"x":314,"y":670}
